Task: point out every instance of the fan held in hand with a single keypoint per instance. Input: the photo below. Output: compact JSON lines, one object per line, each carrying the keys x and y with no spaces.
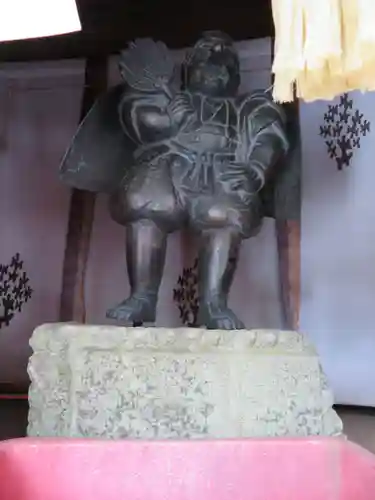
{"x":147,"y":66}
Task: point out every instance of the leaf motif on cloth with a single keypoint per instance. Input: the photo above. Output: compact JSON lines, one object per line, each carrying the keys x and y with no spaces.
{"x":342,"y":131}
{"x":15,"y":290}
{"x":186,"y":295}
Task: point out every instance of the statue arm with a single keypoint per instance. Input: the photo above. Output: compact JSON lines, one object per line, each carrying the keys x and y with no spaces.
{"x":142,"y":117}
{"x":153,"y":117}
{"x":263,"y":141}
{"x":269,"y":146}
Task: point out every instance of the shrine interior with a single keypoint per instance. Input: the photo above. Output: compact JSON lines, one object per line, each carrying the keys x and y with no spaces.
{"x":312,"y":273}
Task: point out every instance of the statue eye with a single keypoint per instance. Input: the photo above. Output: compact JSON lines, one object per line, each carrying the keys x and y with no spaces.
{"x":202,"y":54}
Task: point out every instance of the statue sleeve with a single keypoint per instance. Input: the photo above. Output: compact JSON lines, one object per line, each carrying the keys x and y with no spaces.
{"x":281,"y":196}
{"x":262,"y":136}
{"x":144,"y":117}
{"x":272,"y":136}
{"x":100,"y":151}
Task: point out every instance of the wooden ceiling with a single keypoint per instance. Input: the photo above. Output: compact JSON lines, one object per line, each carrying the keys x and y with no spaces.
{"x":108,"y":25}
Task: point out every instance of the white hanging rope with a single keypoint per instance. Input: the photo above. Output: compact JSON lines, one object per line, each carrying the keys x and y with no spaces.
{"x":323,"y":48}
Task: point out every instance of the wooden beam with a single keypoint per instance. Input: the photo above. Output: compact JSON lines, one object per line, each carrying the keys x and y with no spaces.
{"x":109,"y":26}
{"x":81,"y":214}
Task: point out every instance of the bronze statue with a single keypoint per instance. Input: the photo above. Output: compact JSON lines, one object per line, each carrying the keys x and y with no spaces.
{"x":181,"y":150}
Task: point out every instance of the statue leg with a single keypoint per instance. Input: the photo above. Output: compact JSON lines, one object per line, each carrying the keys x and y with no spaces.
{"x":146,"y":205}
{"x":218,"y":257}
{"x":223,"y":221}
{"x":145,"y":256}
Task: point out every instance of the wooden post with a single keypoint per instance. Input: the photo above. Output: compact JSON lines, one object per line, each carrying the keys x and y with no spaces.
{"x":288,"y":235}
{"x":81,"y":214}
{"x":288,"y":228}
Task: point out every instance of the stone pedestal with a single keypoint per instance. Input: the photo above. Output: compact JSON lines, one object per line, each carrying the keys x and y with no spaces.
{"x":159,"y":383}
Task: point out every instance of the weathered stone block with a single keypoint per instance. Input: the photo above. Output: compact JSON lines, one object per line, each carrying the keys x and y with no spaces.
{"x":117,"y":382}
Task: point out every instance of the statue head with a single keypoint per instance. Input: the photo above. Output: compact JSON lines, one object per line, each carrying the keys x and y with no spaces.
{"x":212,"y":66}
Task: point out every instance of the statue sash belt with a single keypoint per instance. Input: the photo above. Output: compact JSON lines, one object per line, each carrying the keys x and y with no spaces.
{"x":195,"y":173}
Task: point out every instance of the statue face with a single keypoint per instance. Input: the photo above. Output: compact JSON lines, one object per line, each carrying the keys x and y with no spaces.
{"x":212,"y":67}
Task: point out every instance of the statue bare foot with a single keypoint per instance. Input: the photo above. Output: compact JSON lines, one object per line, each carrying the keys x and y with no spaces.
{"x":138,"y":308}
{"x":216,"y":317}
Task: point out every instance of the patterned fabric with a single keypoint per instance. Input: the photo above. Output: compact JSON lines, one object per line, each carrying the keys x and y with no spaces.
{"x":185,"y":295}
{"x":15,"y":290}
{"x":343,"y":128}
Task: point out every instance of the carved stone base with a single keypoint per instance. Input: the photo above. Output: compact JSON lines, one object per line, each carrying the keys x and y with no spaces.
{"x":115,"y":382}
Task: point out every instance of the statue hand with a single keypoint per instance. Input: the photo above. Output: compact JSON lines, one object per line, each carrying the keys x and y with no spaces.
{"x":237,"y":172}
{"x":180,"y":107}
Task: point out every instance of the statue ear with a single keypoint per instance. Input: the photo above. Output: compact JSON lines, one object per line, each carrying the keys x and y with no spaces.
{"x":236,"y":82}
{"x":184,"y":71}
{"x":178,"y":77}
